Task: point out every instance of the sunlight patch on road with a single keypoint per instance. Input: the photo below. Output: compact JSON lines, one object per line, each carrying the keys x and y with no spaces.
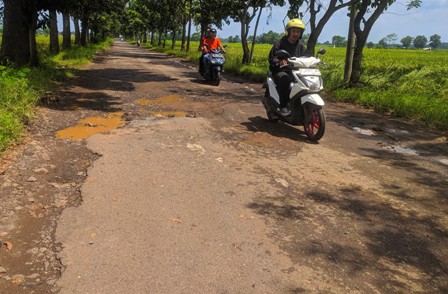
{"x":91,"y":126}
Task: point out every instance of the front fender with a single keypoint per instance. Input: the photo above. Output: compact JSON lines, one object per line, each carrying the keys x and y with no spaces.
{"x":313,"y":99}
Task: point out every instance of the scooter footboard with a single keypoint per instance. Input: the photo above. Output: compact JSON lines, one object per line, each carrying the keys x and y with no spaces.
{"x":312,"y":99}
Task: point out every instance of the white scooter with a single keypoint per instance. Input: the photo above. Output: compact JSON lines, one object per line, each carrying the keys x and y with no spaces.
{"x":305,"y":105}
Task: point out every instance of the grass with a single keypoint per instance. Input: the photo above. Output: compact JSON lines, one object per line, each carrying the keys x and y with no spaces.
{"x":21,"y":89}
{"x":411,"y":84}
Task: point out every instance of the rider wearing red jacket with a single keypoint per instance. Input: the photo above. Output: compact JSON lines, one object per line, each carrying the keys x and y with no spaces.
{"x":211,"y":42}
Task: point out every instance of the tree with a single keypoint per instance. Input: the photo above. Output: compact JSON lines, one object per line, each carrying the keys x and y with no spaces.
{"x":22,"y":18}
{"x":420,"y":42}
{"x":66,"y":32}
{"x":244,"y":12}
{"x":382,"y":43}
{"x":390,"y":39}
{"x":368,"y":12}
{"x":434,"y":41}
{"x":338,"y":41}
{"x":89,"y":10}
{"x":268,"y":38}
{"x":54,"y":34}
{"x":20,"y":21}
{"x":315,"y":8}
{"x":406,"y":41}
{"x":235,"y":39}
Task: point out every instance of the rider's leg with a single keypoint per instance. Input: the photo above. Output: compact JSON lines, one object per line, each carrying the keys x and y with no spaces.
{"x":206,"y":67}
{"x":283,"y":81}
{"x":201,"y":64}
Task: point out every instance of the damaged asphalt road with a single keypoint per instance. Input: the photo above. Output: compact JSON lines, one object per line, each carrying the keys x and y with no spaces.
{"x":137,"y":177}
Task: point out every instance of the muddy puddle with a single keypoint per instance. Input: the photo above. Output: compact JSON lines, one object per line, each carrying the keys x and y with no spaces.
{"x":91,"y":126}
{"x":364,"y":131}
{"x":444,"y":161}
{"x":404,"y":150}
{"x":165,"y":100}
{"x":172,"y":101}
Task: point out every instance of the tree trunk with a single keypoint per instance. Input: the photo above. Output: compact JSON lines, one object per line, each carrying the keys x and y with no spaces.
{"x":84,"y":30}
{"x":16,"y":38}
{"x":189,"y":28}
{"x":32,"y":16}
{"x":173,"y":40}
{"x":165,"y":36}
{"x":32,"y":13}
{"x":350,"y":45}
{"x":255,"y":36}
{"x":77,"y":31}
{"x":159,"y":42}
{"x":152,"y":41}
{"x":66,"y":33}
{"x":244,"y":31}
{"x":54,"y":34}
{"x":362,"y":35}
{"x":355,"y":76}
{"x":184,"y":33}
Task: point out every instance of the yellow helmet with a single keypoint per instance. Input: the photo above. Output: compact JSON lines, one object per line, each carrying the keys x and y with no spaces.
{"x":295,"y":23}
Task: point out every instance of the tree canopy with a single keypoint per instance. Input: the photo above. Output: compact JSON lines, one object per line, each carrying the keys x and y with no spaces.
{"x":162,"y":19}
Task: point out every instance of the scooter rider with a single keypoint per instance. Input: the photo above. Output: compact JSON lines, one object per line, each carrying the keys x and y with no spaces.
{"x":279,"y":68}
{"x":210,"y":43}
{"x":201,"y":59}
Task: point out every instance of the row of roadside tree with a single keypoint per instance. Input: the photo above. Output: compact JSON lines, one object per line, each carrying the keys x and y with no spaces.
{"x":158,"y":19}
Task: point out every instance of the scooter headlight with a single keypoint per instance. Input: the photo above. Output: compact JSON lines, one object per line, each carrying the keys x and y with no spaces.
{"x":314,"y":83}
{"x":217,"y":60}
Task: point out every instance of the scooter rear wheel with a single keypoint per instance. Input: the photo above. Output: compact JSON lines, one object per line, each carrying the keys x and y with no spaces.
{"x":314,"y":124}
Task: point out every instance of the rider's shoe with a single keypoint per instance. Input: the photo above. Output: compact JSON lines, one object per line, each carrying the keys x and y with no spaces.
{"x":285,"y":111}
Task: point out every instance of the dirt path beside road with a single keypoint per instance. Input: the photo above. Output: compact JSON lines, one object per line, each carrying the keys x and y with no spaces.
{"x":187,"y":188}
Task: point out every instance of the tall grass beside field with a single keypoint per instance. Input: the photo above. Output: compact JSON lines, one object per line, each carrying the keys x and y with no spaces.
{"x":411,"y":84}
{"x":21,"y":89}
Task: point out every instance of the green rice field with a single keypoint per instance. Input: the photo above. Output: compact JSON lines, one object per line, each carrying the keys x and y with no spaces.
{"x":411,"y":84}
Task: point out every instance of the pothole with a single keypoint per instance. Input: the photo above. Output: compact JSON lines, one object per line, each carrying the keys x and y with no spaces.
{"x":91,"y":126}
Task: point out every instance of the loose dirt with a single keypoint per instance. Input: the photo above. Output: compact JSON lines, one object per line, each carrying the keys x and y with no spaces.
{"x":138,"y":177}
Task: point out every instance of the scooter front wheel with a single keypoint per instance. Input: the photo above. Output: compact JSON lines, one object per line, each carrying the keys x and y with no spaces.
{"x":217,"y":79}
{"x":272,"y":117}
{"x":314,"y":123}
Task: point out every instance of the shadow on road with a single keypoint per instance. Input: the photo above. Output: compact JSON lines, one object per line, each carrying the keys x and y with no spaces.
{"x":90,"y":89}
{"x":279,"y":129}
{"x":363,"y":238}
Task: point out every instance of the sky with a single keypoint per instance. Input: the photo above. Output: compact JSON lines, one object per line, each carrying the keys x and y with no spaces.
{"x":429,"y":19}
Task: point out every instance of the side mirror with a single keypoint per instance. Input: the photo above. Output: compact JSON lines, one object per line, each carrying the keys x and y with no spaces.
{"x":321,"y":51}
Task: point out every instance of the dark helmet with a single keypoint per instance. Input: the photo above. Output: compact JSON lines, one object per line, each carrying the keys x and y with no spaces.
{"x":213,"y":31}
